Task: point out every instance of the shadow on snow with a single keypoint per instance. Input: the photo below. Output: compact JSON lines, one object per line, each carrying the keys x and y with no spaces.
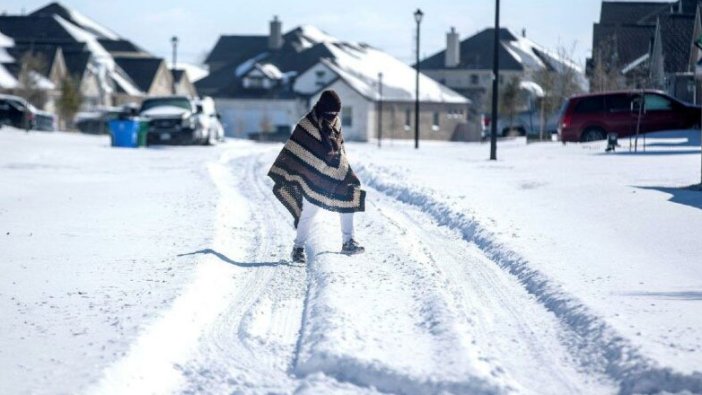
{"x":230,"y":261}
{"x":688,"y":196}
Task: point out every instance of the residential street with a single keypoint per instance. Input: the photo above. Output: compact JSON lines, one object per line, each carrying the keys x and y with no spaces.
{"x":451,"y":296}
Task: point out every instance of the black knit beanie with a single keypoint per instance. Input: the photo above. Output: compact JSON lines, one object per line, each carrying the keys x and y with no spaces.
{"x":328,"y":102}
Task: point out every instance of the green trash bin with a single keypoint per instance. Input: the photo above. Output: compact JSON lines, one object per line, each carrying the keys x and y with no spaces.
{"x":143,"y":132}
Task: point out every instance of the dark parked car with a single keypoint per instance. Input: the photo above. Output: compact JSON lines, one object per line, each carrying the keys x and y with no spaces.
{"x":591,"y":117}
{"x":17,"y":112}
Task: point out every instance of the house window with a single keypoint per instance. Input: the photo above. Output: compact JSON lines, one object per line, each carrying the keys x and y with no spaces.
{"x":435,"y":121}
{"x":347,"y":116}
{"x":474,"y":80}
{"x":408,"y":119}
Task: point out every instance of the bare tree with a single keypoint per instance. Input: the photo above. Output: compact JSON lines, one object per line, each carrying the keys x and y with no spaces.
{"x":70,"y":101}
{"x":558,"y":85}
{"x":32,"y":66}
{"x":606,"y":74}
{"x":509,"y":99}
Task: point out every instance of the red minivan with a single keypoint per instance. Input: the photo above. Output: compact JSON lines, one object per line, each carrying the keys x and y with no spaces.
{"x":591,"y":117}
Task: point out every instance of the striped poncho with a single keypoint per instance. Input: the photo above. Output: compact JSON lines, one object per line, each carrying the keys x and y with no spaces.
{"x":313,"y":165}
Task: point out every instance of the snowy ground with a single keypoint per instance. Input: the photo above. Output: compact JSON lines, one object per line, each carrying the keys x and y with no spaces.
{"x":557,"y":269}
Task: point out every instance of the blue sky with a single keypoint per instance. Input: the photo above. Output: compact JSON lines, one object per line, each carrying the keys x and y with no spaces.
{"x":388,"y":25}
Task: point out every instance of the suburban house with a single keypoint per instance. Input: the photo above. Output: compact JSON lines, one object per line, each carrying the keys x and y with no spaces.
{"x":110,"y":70}
{"x":466,"y":66}
{"x":50,"y":70}
{"x":649,"y":44}
{"x":183,"y":84}
{"x":267,"y":83}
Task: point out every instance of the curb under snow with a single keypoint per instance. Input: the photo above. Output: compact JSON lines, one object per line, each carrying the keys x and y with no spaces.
{"x":598,"y":344}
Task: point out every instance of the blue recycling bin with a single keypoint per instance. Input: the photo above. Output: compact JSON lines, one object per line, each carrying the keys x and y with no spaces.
{"x":125,"y":133}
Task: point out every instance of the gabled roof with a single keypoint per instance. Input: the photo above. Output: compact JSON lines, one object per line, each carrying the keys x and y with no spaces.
{"x":476,"y":53}
{"x":44,"y":29}
{"x":236,"y":49}
{"x":177,"y":74}
{"x":515,"y":53}
{"x":625,"y":42}
{"x":142,"y":71}
{"x":676,"y":39}
{"x":689,"y":7}
{"x":357,"y":65}
{"x":121,"y":46}
{"x":631,"y":12}
{"x":76,"y":18}
{"x":76,"y":63}
{"x":47,"y":54}
{"x":297,"y":54}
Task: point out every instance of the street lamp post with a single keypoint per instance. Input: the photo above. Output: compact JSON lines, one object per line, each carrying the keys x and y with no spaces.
{"x":495,"y":83}
{"x":174,"y":42}
{"x":418,"y":18}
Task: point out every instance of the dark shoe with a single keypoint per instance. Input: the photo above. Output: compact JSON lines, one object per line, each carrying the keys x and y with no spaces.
{"x":352,"y":247}
{"x":298,"y":255}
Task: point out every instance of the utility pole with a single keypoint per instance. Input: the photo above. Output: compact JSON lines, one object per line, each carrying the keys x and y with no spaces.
{"x":418,"y":18}
{"x":495,"y":83}
{"x":380,"y":109}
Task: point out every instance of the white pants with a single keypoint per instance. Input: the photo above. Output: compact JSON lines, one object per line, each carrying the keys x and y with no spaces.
{"x":309,"y":210}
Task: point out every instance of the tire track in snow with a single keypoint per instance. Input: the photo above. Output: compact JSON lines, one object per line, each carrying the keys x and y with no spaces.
{"x":597,"y":345}
{"x":384,"y":320}
{"x":250,"y":347}
{"x":508,"y":325}
{"x":151,"y":364}
{"x":217,"y":336}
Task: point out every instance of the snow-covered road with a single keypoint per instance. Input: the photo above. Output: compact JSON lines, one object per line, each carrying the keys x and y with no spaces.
{"x":421,"y":312}
{"x":430,"y":308}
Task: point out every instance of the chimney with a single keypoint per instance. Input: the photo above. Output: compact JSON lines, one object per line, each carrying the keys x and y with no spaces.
{"x":275,"y":38}
{"x":453,"y":50}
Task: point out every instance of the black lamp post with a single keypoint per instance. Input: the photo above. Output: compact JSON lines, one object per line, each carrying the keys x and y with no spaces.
{"x":418,"y":18}
{"x":174,"y":42}
{"x":495,"y":83}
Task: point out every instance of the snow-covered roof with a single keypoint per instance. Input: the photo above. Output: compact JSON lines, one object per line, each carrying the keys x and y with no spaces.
{"x":89,"y":24}
{"x":102,"y":63}
{"x":84,"y":36}
{"x":249,"y":64}
{"x":7,"y":80}
{"x":310,"y":35}
{"x":270,"y":71}
{"x":359,"y":65}
{"x":5,"y":57}
{"x":194,"y":72}
{"x":636,"y":63}
{"x":532,"y":87}
{"x":5,"y":41}
{"x":41,"y":82}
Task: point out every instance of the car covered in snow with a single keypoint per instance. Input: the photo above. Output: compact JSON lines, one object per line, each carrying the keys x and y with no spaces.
{"x":180,"y":120}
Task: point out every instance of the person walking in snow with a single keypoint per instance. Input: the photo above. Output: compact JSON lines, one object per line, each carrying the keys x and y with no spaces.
{"x":313,"y":172}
